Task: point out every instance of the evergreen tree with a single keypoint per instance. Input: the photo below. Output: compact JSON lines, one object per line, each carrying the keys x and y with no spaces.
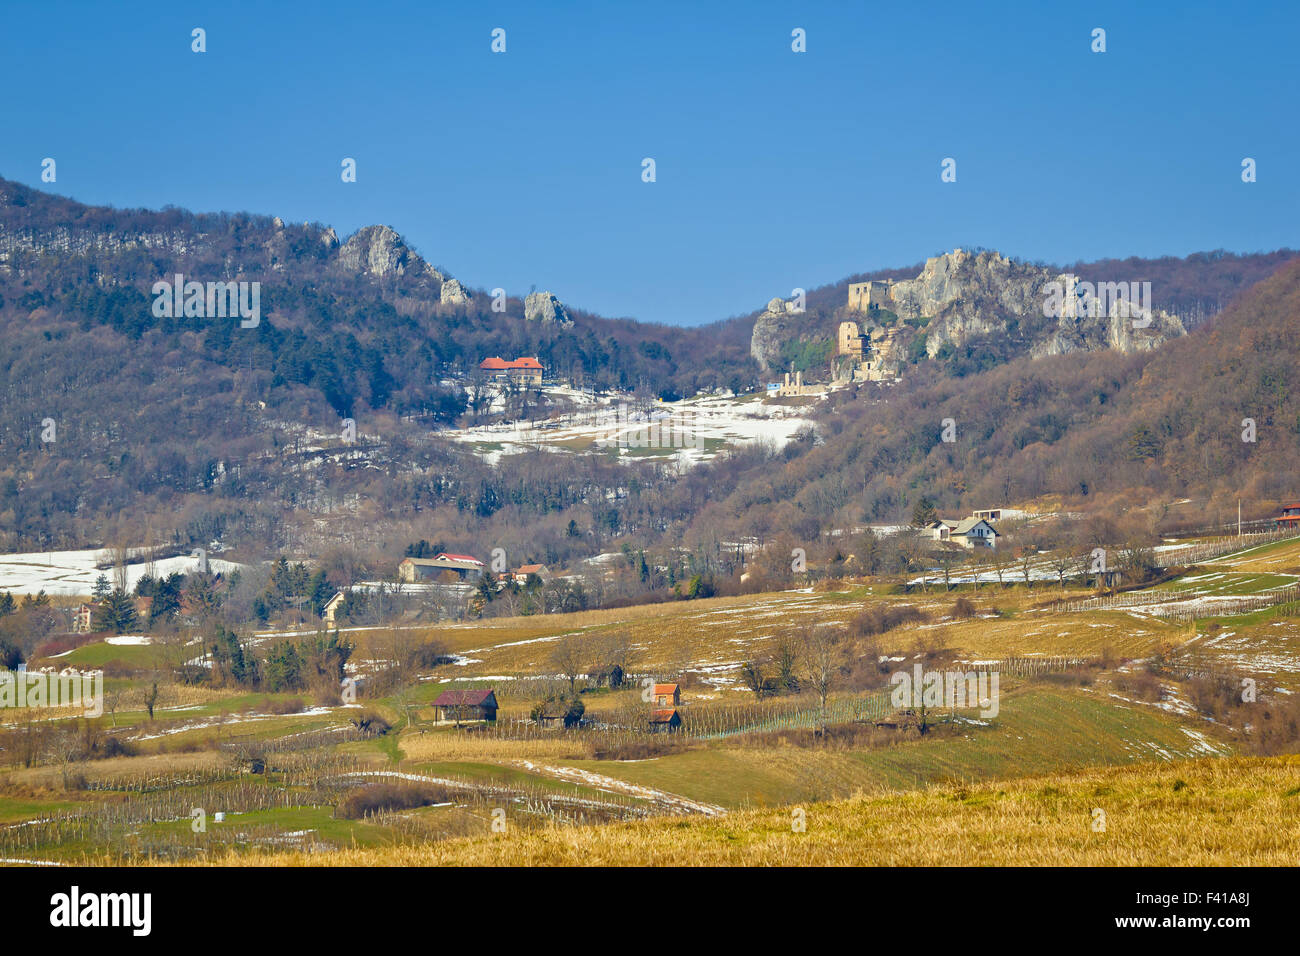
{"x":284,"y":668}
{"x":924,"y":513}
{"x":166,"y":598}
{"x":319,"y":590}
{"x":101,"y":589}
{"x":202,"y":593}
{"x":115,"y":613}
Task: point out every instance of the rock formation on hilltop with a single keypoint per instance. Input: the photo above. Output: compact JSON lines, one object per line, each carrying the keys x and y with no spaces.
{"x":778,"y":324}
{"x":546,"y":307}
{"x":453,"y":293}
{"x":975,"y":302}
{"x":379,"y":251}
{"x":966,"y":295}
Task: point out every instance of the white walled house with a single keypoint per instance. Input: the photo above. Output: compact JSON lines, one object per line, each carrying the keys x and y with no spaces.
{"x":975,"y":533}
{"x":972,"y":532}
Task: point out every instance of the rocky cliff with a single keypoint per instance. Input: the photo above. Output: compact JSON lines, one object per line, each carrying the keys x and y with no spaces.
{"x":379,"y":251}
{"x":546,"y":307}
{"x":967,"y":295}
{"x":778,"y":324}
{"x":979,"y":302}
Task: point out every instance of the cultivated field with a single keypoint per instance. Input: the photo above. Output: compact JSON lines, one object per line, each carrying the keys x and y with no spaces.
{"x":1110,"y":708}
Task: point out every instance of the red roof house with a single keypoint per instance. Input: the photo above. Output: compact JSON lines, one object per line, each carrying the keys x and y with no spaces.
{"x":526,"y":370}
{"x":1290,"y":516}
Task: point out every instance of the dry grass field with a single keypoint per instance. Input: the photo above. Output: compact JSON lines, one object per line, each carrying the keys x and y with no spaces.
{"x":1097,"y":709}
{"x":1211,"y":812}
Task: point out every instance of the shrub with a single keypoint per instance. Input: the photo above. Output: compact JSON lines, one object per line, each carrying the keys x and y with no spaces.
{"x":1143,"y":686}
{"x":282,"y":707}
{"x":880,"y":618}
{"x":963,"y":608}
{"x":371,"y":724}
{"x":429,"y":655}
{"x":389,"y":796}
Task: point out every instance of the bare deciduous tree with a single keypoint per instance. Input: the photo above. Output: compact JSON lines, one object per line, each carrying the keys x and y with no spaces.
{"x":570,"y":658}
{"x":824,"y":651}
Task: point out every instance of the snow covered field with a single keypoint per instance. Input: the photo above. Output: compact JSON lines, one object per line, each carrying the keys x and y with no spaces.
{"x":73,"y":573}
{"x":689,"y":431}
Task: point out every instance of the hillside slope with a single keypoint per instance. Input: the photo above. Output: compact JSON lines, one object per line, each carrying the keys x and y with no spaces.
{"x":119,"y":423}
{"x":1214,"y":812}
{"x":1098,"y":427}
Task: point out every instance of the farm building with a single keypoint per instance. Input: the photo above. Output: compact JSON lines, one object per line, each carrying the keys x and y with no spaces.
{"x":1290,"y":516}
{"x":667,"y":695}
{"x":461,"y":566}
{"x":665,"y":720}
{"x":464,"y":705}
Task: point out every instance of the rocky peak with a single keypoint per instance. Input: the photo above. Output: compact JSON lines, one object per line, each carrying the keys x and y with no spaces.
{"x":376,"y":250}
{"x":379,"y":251}
{"x":546,"y":307}
{"x":962,"y":295}
{"x":453,"y":293}
{"x":772,"y":329}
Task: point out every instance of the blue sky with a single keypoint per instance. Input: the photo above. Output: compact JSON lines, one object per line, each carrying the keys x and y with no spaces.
{"x":775,"y":169}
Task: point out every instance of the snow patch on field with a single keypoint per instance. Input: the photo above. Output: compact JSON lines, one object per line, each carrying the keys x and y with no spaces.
{"x":705,"y":423}
{"x":669,"y":801}
{"x":72,"y":573}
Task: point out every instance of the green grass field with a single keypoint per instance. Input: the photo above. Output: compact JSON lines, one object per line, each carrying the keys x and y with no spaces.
{"x":1038,"y":730}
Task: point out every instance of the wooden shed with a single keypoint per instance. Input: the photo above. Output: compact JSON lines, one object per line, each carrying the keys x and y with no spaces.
{"x":464,"y":705}
{"x":667,"y":719}
{"x":667,"y":695}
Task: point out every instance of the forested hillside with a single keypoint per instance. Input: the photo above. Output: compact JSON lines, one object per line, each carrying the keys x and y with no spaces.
{"x":1126,"y":431}
{"x":121,"y":425}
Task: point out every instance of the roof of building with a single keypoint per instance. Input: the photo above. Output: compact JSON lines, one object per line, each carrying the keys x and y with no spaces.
{"x":665,"y":689}
{"x":530,"y":569}
{"x":444,"y":561}
{"x":465,"y":698}
{"x":663,"y":716}
{"x":336,"y":600}
{"x":498,"y":364}
{"x":967,"y":524}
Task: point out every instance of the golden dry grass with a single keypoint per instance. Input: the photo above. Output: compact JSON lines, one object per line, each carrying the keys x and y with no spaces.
{"x":1224,"y":812}
{"x":115,"y":767}
{"x":721,"y":631}
{"x":441,"y":745}
{"x":1047,"y":633}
